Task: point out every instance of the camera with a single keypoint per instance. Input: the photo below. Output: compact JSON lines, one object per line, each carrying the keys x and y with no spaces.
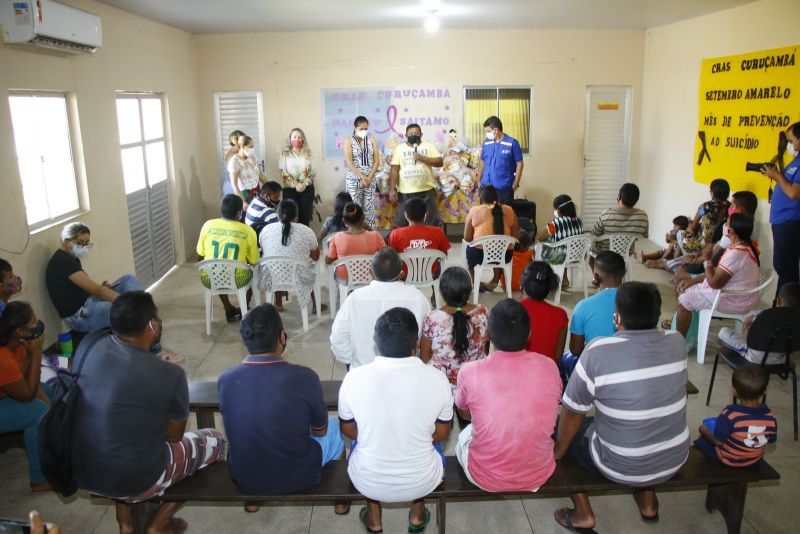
{"x":756,"y":167}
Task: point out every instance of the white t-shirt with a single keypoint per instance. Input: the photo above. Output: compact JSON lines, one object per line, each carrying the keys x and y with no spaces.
{"x":302,"y":241}
{"x":248,"y":171}
{"x":295,"y":166}
{"x":395,"y":403}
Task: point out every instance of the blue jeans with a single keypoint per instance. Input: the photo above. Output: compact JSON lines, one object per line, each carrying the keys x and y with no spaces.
{"x":580,"y":447}
{"x":16,"y":416}
{"x":93,"y":315}
{"x":332,"y":443}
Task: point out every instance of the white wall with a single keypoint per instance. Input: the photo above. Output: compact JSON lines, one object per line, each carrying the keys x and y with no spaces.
{"x":673,"y":56}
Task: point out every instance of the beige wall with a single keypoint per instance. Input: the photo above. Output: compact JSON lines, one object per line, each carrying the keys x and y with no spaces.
{"x":673,"y":55}
{"x":137,"y":54}
{"x":291,"y":68}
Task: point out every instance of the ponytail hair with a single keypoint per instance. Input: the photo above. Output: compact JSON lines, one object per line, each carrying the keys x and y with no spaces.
{"x":16,"y":315}
{"x":742,"y":226}
{"x":353,"y":214}
{"x":565,"y":206}
{"x":287,"y":213}
{"x":538,"y":280}
{"x":456,"y":287}
{"x":489,"y":195}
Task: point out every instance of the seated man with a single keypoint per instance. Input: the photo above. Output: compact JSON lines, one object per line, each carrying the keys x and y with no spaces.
{"x":262,"y":209}
{"x":229,"y":239}
{"x":621,"y":219}
{"x":354,"y":326}
{"x":81,"y":302}
{"x":636,"y":381}
{"x":512,"y":398}
{"x":275,"y":418}
{"x":396,"y":410}
{"x":594,"y":316}
{"x":417,"y":235}
{"x":10,"y":284}
{"x":128,"y":438}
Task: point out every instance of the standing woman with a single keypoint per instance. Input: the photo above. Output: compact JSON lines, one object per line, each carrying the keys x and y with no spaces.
{"x":362,"y":155}
{"x":298,"y":176}
{"x":233,"y":139}
{"x":784,"y":213}
{"x":246,"y":175}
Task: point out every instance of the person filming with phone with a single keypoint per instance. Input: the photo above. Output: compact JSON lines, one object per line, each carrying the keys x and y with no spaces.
{"x":784,"y":213}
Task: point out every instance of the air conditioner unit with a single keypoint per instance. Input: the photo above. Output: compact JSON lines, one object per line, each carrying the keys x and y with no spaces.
{"x":51,"y":25}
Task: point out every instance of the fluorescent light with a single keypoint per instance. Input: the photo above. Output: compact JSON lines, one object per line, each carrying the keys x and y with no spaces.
{"x":432,"y":23}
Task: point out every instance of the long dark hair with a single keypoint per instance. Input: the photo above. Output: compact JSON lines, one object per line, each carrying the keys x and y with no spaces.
{"x":538,"y":280}
{"x":742,"y":226}
{"x":16,"y":315}
{"x":565,"y":206}
{"x":489,"y":196}
{"x":456,"y":287}
{"x":342,"y":200}
{"x":287,"y":212}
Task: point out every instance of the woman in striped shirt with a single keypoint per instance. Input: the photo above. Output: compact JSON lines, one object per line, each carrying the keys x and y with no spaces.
{"x":362,"y":155}
{"x":565,"y":223}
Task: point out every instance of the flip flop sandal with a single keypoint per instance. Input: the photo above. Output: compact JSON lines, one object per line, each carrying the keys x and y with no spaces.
{"x":233,"y":315}
{"x":416,"y":529}
{"x":341,"y":513}
{"x":566,"y":522}
{"x":362,"y":516}
{"x":645,"y":518}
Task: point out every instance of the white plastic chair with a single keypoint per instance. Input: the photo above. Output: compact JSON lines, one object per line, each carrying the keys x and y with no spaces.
{"x":222,"y":277}
{"x":283,"y":277}
{"x":359,"y":274}
{"x":576,"y":254}
{"x":494,"y":255}
{"x":704,"y":322}
{"x":322,"y":274}
{"x":621,"y":244}
{"x":420,"y":264}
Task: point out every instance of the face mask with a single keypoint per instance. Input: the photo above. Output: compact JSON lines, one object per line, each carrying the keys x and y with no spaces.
{"x":297,"y":143}
{"x":160,"y":330}
{"x":79,"y":251}
{"x":791,"y":150}
{"x":555,"y":214}
{"x":249,"y":151}
{"x":15,"y":286}
{"x":362,"y":133}
{"x":414,"y":139}
{"x":731,"y":211}
{"x":490,"y":135}
{"x":35,"y":331}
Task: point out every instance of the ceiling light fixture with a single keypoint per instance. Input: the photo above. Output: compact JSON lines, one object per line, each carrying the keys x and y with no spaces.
{"x":432,"y":23}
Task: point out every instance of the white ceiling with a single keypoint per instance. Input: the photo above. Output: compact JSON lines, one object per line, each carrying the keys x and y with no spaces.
{"x":235,"y":16}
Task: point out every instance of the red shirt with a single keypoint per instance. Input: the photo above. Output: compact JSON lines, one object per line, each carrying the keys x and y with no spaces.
{"x":10,"y":363}
{"x":547,"y":322}
{"x":419,"y":237}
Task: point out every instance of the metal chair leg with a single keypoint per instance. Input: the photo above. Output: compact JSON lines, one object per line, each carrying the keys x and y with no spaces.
{"x":713,"y":374}
{"x":794,"y":404}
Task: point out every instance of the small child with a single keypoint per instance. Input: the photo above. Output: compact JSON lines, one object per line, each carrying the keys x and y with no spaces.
{"x":523,"y":255}
{"x":738,"y":436}
{"x":658,"y":259}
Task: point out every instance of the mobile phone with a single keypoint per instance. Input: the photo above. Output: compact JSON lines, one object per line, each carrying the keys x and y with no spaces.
{"x":14,"y":526}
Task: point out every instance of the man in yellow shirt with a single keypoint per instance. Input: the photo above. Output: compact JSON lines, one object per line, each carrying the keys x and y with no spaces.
{"x":412,"y":175}
{"x":230,"y":239}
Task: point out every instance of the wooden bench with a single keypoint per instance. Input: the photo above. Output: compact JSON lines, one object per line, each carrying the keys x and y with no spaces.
{"x":204,"y":399}
{"x":726,"y":488}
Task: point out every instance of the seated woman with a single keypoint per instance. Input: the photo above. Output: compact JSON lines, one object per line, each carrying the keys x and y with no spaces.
{"x":490,"y":217}
{"x":458,"y":332}
{"x":80,"y":301}
{"x":548,"y":323}
{"x":290,"y":238}
{"x":737,"y":269}
{"x":335,"y":223}
{"x":565,"y":223}
{"x":354,"y":241}
{"x":22,"y":399}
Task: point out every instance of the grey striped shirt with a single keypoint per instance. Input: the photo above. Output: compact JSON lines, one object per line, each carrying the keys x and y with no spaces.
{"x":619,"y":220}
{"x":636,"y":381}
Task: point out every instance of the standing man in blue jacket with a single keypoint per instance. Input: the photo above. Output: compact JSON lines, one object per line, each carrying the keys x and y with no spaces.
{"x":501,"y":160}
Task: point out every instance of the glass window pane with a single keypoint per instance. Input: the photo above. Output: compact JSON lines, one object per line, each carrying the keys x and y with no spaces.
{"x":33,"y":190}
{"x":153,"y":118}
{"x":61,"y":194}
{"x":156,"y":162}
{"x":515,"y":112}
{"x":130,"y":130}
{"x":479,"y":105}
{"x":23,"y":119}
{"x":133,"y":169}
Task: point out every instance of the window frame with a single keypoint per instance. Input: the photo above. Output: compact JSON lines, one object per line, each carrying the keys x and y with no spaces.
{"x":75,"y":152}
{"x":497,"y":88}
{"x":139,"y":96}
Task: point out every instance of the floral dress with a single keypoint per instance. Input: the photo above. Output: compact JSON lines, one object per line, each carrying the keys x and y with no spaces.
{"x":438,"y":327}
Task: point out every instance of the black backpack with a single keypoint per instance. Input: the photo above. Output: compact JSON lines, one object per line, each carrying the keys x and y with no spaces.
{"x":55,"y":426}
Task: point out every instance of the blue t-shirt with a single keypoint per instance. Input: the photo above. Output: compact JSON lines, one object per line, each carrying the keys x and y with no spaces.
{"x":269,"y":407}
{"x":500,"y":162}
{"x":594,"y":316}
{"x":783,"y":208}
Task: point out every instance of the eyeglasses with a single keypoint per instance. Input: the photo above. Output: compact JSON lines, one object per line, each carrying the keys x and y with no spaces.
{"x":87,"y":244}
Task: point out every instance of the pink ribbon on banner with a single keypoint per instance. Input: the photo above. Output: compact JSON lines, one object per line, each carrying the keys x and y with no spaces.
{"x":391,"y":118}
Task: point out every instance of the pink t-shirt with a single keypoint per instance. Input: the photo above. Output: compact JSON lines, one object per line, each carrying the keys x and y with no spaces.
{"x":346,"y":244}
{"x":741,"y":264}
{"x":513,"y":399}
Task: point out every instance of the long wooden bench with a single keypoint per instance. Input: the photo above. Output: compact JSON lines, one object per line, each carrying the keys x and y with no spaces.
{"x":204,"y":399}
{"x":726,"y":488}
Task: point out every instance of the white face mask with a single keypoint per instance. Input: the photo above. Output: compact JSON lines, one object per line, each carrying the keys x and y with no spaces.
{"x":791,"y":150}
{"x":249,"y":151}
{"x":362,"y":133}
{"x":555,"y":214}
{"x":79,"y":250}
{"x":490,"y":135}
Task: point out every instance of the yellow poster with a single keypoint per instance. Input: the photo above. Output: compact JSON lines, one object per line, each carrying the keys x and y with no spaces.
{"x":746,"y":101}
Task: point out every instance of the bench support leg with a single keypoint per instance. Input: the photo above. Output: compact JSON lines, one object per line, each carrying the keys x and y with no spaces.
{"x":441,"y":513}
{"x":205,"y":418}
{"x":729,"y":500}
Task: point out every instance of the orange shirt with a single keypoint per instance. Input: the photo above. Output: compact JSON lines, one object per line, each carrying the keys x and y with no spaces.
{"x":11,"y":365}
{"x":520,"y":260}
{"x":483,"y":221}
{"x":345,"y":244}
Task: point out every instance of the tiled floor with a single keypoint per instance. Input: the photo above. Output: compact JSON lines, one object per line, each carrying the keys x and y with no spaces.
{"x":180,"y":301}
